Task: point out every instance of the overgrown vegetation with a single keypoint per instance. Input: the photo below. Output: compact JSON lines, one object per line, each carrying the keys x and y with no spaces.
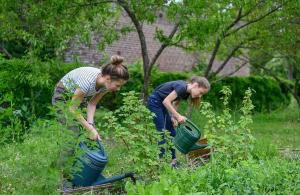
{"x":274,"y":176}
{"x":131,"y":126}
{"x":238,"y":165}
{"x":248,"y":158}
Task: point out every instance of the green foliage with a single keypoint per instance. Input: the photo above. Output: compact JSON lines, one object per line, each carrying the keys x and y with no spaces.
{"x":132,"y":125}
{"x":274,"y":176}
{"x":31,"y":167}
{"x":45,"y":28}
{"x":263,"y":149}
{"x":12,"y":127}
{"x":37,"y":165}
{"x":26,"y":87}
{"x":280,"y":127}
{"x":268,"y":94}
{"x":231,"y":138}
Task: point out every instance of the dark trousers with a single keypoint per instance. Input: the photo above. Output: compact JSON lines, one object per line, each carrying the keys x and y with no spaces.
{"x":162,"y":120}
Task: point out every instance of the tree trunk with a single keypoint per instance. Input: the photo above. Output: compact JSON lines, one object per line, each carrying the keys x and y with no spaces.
{"x":142,"y":39}
{"x":290,"y":71}
{"x":298,"y":100}
{"x":297,"y":92}
{"x":212,"y":58}
{"x":145,"y":89}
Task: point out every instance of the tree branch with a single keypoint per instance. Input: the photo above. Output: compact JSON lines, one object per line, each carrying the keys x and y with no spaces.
{"x":3,"y":50}
{"x":251,"y":9}
{"x":163,"y":46}
{"x":224,"y":63}
{"x":225,"y":34}
{"x":182,"y":46}
{"x":231,"y":73}
{"x":76,"y":5}
{"x":253,"y":21}
{"x":238,"y":68}
{"x":213,"y":56}
{"x":237,"y":19}
{"x":145,"y":55}
{"x":274,"y":76}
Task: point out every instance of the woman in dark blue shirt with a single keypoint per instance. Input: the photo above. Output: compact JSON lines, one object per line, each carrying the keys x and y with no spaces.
{"x":165,"y":99}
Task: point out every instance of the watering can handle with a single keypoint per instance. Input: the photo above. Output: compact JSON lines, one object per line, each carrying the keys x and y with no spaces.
{"x":101,"y":147}
{"x":188,"y":121}
{"x":100,"y":144}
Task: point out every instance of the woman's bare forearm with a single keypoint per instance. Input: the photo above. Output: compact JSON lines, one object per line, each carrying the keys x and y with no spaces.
{"x":91,"y":109}
{"x":171,"y":108}
{"x":81,"y":119}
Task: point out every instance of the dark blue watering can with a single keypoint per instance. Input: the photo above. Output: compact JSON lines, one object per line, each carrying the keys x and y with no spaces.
{"x":187,"y":135}
{"x":90,"y":166}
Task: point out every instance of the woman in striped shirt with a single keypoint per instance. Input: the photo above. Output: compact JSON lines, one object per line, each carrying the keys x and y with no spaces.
{"x":91,"y":82}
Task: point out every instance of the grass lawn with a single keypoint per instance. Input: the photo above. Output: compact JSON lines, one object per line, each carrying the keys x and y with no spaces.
{"x":281,"y":127}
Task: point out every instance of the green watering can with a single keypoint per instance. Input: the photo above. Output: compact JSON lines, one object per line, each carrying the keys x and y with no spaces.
{"x":187,"y":135}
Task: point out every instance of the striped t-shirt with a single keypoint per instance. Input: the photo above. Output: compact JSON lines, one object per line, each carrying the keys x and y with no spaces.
{"x":83,"y":78}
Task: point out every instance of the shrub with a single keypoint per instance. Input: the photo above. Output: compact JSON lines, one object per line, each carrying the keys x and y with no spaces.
{"x":31,"y":167}
{"x":268,"y":94}
{"x":26,"y":87}
{"x":229,"y":136}
{"x":132,"y":126}
{"x":274,"y":176}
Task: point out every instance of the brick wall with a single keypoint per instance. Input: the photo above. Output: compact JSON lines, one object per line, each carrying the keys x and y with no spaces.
{"x":172,"y":58}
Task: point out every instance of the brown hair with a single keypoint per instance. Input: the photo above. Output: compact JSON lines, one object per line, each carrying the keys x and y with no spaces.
{"x":202,"y":82}
{"x":115,"y":69}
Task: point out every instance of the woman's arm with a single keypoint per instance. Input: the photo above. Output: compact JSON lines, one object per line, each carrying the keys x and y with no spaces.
{"x":176,"y":104}
{"x":168,"y":104}
{"x":173,"y":119}
{"x":76,"y":100}
{"x":91,"y":107}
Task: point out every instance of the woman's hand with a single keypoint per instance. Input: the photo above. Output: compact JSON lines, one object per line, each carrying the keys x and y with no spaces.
{"x":181,"y":119}
{"x":94,"y":135}
{"x":174,"y":121}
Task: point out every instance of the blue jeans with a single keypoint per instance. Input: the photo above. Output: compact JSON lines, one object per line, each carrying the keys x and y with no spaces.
{"x":162,"y":120}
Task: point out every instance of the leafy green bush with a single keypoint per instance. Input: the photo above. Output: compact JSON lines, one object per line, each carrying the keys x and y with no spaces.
{"x":31,"y":82}
{"x":26,"y":87}
{"x":268,"y":94}
{"x":230,"y":137}
{"x":238,"y":165}
{"x":36,"y":165}
{"x":31,"y":167}
{"x":132,"y":126}
{"x":274,"y":176}
{"x":159,"y":77}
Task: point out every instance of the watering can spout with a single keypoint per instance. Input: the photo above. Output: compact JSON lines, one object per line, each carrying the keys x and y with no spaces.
{"x":186,"y":138}
{"x":102,"y":180}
